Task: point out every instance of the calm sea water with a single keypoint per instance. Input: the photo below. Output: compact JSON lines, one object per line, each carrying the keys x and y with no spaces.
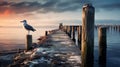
{"x":113,"y":48}
{"x":13,"y":38}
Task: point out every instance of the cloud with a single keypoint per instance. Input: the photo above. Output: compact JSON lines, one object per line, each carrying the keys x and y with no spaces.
{"x":111,"y":6}
{"x":107,"y":5}
{"x":20,"y":7}
{"x":25,"y":7}
{"x":45,"y":6}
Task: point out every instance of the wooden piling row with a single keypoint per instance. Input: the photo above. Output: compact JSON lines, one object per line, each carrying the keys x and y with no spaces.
{"x":108,"y":27}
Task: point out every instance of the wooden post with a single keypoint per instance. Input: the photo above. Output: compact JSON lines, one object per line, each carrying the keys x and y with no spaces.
{"x":70,"y":31}
{"x":66,"y":29}
{"x":28,"y":42}
{"x":63,"y":28}
{"x":102,"y":45}
{"x":87,"y":35}
{"x":73,"y":31}
{"x":119,"y":28}
{"x":79,"y":29}
{"x":60,"y":25}
{"x":46,"y":33}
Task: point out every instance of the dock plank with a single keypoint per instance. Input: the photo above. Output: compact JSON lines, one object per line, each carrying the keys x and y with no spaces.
{"x":65,"y":48}
{"x":58,"y":50}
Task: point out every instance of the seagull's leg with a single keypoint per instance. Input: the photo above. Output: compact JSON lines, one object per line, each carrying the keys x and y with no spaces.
{"x":28,"y":32}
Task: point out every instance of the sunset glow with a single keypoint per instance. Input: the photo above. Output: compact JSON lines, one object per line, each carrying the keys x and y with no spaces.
{"x":7,"y":14}
{"x":59,"y":33}
{"x":55,"y":12}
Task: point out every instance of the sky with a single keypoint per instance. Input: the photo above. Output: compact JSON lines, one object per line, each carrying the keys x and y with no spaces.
{"x":53,"y":12}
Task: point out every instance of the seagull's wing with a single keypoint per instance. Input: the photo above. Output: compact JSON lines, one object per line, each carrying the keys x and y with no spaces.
{"x":29,"y":27}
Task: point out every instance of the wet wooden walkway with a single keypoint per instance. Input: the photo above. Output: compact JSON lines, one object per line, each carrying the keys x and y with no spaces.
{"x":63,"y":50}
{"x":57,"y":50}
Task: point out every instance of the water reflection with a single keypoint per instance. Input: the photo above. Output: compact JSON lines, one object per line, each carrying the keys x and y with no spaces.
{"x":113,"y":41}
{"x":14,"y":37}
{"x":102,"y":59}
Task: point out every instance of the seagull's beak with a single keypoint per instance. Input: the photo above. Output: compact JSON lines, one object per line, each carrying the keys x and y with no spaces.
{"x":21,"y":21}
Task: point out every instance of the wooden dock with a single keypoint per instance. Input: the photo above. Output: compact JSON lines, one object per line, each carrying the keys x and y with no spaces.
{"x":65,"y":48}
{"x":57,"y":50}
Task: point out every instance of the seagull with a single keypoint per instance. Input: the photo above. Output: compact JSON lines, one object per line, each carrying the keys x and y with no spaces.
{"x":27,"y":26}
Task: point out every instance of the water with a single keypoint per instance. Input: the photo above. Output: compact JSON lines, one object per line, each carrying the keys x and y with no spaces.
{"x":14,"y":38}
{"x":113,"y":48}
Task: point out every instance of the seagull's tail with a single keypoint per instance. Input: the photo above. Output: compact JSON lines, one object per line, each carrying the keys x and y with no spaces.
{"x":34,"y":30}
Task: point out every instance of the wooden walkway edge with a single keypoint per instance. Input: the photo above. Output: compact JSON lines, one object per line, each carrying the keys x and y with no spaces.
{"x":64,"y":48}
{"x":58,"y":50}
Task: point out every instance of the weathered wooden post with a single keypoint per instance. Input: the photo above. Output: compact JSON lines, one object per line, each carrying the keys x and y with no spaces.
{"x":102,"y":45}
{"x":66,"y":29}
{"x":119,"y":28}
{"x":60,"y":25}
{"x":28,"y":42}
{"x":70,"y":31}
{"x":46,"y":33}
{"x":73,"y":31}
{"x":79,"y":29}
{"x":87,"y":35}
{"x":63,"y":28}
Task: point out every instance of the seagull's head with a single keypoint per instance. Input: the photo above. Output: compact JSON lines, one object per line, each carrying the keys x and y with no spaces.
{"x":24,"y":21}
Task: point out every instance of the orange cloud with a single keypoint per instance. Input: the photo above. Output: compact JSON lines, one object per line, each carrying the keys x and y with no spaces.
{"x":6,"y":13}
